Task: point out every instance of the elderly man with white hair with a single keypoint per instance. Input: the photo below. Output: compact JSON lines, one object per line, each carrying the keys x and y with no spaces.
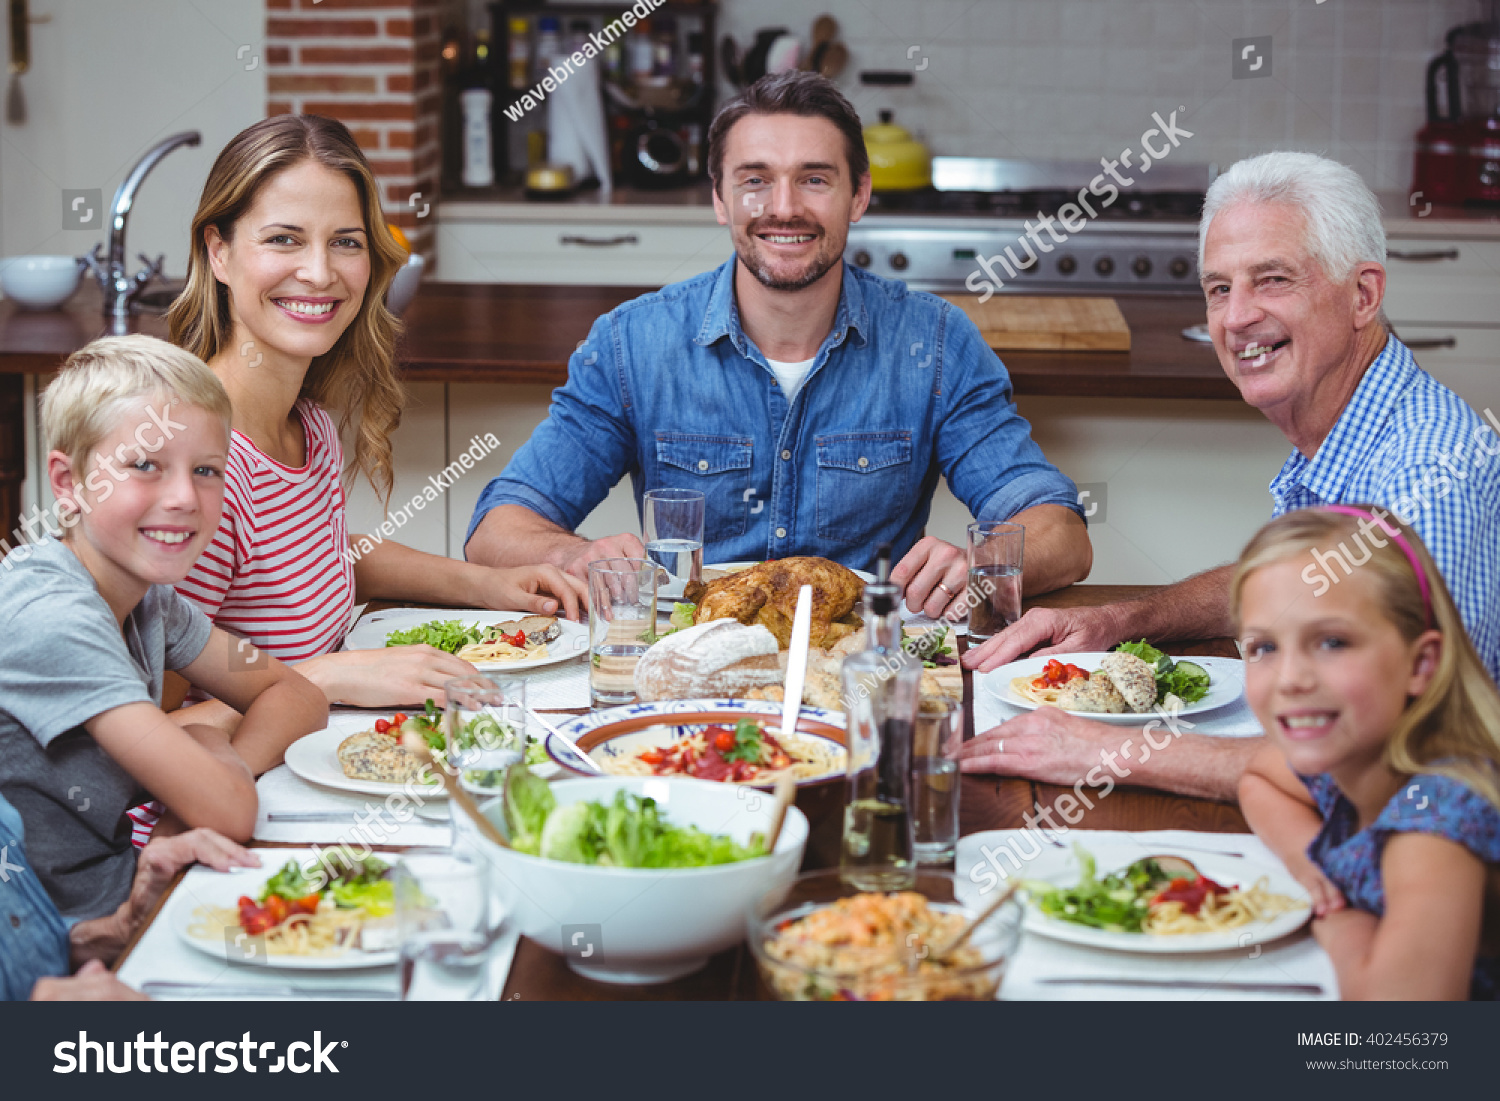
{"x":1291,"y":252}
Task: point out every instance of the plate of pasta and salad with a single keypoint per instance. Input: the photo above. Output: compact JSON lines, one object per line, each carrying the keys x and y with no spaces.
{"x":490,"y":641}
{"x":307,"y":913}
{"x":1101,"y":897}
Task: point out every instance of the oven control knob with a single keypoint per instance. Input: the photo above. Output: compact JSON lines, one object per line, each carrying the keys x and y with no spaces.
{"x":1066,"y":265}
{"x":1141,"y":265}
{"x":1180,"y":268}
{"x":1104,"y":265}
{"x":899,"y":261}
{"x":862,"y":259}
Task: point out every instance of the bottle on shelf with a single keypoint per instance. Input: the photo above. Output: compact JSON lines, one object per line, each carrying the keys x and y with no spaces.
{"x":520,"y":54}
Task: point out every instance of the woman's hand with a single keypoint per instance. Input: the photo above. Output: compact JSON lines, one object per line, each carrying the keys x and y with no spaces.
{"x":397,"y":676}
{"x":533,"y":589}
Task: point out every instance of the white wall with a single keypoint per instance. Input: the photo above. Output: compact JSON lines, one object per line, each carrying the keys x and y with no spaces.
{"x":1078,"y":79}
{"x":108,"y":79}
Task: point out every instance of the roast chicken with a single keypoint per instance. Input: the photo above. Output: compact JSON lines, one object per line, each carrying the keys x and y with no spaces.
{"x":767,"y":594}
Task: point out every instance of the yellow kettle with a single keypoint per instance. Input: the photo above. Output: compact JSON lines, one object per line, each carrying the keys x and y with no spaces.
{"x":898,"y":161}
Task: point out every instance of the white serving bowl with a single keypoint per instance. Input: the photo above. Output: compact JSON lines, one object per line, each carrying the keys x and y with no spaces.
{"x":404,"y":286}
{"x":643,"y":925}
{"x":40,"y":282}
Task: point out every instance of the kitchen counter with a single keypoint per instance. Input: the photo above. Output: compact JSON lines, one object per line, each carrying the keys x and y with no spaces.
{"x":489,"y":332}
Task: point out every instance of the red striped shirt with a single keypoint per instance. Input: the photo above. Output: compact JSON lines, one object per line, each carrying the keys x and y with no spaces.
{"x":278,"y":571}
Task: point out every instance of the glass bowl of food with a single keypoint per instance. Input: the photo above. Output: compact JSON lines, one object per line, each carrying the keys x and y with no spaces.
{"x":826,"y":940}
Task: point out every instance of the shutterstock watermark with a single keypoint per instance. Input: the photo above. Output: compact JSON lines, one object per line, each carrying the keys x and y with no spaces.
{"x":437,"y":485}
{"x":1070,"y":216}
{"x":150,"y":436}
{"x":568,"y":64}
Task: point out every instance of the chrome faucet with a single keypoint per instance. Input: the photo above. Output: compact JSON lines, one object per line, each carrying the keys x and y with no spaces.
{"x":120,"y":289}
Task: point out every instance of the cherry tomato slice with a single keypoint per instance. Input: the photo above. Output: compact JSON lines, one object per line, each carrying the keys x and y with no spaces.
{"x":382,"y":726}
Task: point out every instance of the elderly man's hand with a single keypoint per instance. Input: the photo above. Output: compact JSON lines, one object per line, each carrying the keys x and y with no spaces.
{"x":1058,"y":630}
{"x":933,"y":576}
{"x":1047,"y":745}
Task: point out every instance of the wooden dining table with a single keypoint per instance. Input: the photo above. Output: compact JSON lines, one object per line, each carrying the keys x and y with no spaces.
{"x":986,"y":802}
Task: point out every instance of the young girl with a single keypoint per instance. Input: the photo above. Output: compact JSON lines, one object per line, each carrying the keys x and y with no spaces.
{"x":1380,"y":786}
{"x":289,"y":263}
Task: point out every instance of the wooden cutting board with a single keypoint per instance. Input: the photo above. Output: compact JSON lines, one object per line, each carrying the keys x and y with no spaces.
{"x":1011,"y":322}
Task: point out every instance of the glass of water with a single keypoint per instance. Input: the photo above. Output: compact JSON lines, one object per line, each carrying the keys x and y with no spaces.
{"x":622,"y":623}
{"x":934,"y":781}
{"x":673,"y":527}
{"x":995,"y":553}
{"x":446,"y":920}
{"x":484,"y":729}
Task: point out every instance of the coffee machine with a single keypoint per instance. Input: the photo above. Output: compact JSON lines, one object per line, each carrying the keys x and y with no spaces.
{"x":1458,"y":151}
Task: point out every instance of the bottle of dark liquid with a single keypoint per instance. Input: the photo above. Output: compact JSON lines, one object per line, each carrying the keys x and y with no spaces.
{"x":881,"y":687}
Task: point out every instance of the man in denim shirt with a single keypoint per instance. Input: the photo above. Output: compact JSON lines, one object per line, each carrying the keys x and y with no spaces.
{"x":814,"y":405}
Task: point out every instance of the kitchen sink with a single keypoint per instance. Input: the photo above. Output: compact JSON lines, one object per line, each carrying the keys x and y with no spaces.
{"x":158,"y":299}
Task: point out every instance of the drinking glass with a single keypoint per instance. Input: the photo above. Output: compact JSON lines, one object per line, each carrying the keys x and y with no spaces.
{"x":622,"y":623}
{"x":995,"y":551}
{"x":934,"y":781}
{"x":446,"y":920}
{"x":673,"y":527}
{"x":484,"y":729}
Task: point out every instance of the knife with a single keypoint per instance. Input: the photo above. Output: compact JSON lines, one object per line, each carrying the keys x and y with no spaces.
{"x":796,"y":667}
{"x":1189,"y":984}
{"x":165,"y":987}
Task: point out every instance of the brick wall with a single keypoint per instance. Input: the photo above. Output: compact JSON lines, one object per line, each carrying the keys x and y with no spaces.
{"x":373,"y":65}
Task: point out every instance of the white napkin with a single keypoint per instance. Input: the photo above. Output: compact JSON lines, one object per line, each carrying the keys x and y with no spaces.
{"x":1292,"y":959}
{"x":283,"y":791}
{"x":561,"y":687}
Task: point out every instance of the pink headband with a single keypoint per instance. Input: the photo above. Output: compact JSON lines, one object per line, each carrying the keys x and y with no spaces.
{"x":1400,"y":541}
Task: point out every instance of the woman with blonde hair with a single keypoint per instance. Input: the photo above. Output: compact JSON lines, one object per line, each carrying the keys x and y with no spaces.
{"x":288,"y":269}
{"x":1380,"y":787}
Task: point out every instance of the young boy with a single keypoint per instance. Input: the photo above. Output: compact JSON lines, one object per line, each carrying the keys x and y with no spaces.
{"x":88,"y":622}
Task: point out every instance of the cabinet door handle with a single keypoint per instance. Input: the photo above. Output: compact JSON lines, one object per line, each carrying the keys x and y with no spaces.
{"x":1430,"y":343}
{"x":599,"y":242}
{"x":1424,"y":255}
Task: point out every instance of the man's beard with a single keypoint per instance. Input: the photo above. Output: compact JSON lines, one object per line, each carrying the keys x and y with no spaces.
{"x":817,"y":267}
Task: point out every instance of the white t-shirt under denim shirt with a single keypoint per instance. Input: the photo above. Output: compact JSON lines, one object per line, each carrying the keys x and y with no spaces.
{"x":790,"y":376}
{"x":64,"y":660}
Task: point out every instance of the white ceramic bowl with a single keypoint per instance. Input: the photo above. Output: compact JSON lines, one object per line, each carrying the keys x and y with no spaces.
{"x":644,"y":925}
{"x":404,"y":286}
{"x":40,"y":282}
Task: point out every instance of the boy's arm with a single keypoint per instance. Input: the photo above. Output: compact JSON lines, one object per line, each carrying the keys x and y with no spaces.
{"x":202,"y":783}
{"x":279,"y":704}
{"x":1424,"y":946}
{"x":1283,"y":814}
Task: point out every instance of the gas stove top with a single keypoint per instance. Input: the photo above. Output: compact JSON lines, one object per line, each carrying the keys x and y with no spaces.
{"x":1015,"y":226}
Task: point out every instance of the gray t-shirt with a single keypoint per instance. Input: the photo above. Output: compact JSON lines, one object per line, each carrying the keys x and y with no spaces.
{"x":63,"y":660}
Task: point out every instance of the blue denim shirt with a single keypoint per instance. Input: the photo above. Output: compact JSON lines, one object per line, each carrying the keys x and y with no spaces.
{"x":33,"y":937}
{"x":668,"y":389}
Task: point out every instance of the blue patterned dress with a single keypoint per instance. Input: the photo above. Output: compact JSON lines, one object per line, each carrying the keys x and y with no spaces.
{"x":1350,"y":856}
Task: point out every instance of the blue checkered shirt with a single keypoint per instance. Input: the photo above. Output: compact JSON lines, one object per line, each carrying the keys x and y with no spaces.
{"x":1409,"y":444}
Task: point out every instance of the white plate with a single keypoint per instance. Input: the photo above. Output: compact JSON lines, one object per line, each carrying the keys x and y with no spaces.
{"x":224,"y":890}
{"x":1226,"y":684}
{"x":1060,"y":867}
{"x":371,"y":631}
{"x":315,"y":758}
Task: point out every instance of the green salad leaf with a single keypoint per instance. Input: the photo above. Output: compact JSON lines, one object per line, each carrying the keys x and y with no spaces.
{"x":291,"y":882}
{"x":451,"y":635}
{"x":627,"y":832}
{"x":1118,"y":903}
{"x":682,"y":615}
{"x":377,"y":898}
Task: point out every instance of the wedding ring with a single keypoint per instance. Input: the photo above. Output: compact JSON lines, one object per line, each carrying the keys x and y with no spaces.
{"x":999,"y":745}
{"x":947,"y":590}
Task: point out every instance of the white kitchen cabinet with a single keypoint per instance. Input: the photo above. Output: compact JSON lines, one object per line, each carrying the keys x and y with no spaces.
{"x":1464,"y":359}
{"x":1435,"y":281}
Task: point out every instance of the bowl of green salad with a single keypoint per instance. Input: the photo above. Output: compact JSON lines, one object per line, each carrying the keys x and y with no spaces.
{"x":633,"y":879}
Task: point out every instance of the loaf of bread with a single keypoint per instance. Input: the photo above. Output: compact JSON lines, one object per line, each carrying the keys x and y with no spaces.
{"x":721,"y":659}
